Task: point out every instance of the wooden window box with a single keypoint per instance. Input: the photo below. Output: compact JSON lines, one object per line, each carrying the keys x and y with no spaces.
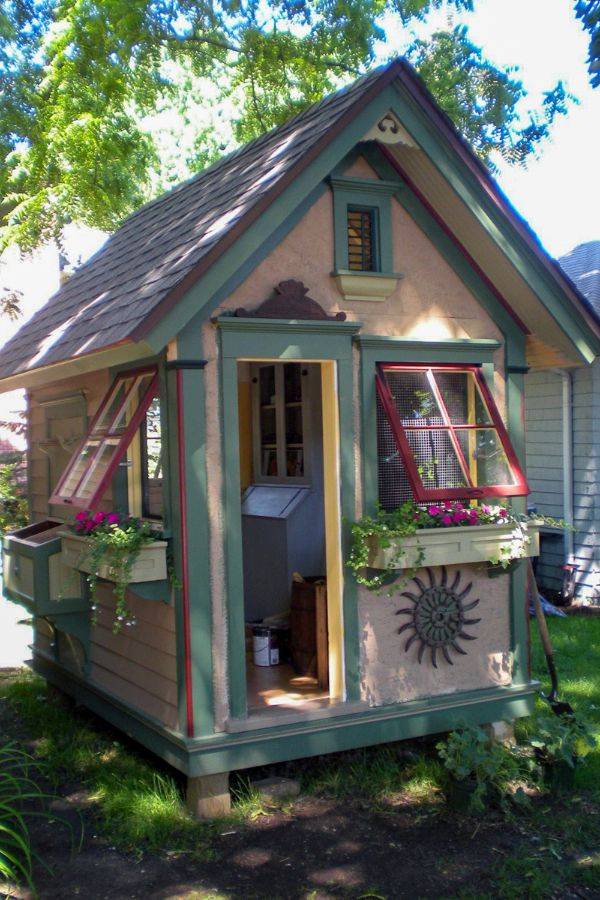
{"x":34,"y":572}
{"x":450,"y":546}
{"x":149,"y":565}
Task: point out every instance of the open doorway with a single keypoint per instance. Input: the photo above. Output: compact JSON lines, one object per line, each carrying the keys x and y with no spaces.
{"x":282,"y":474}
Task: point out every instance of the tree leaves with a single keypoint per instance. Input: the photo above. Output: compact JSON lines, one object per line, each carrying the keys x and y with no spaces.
{"x":79,"y":78}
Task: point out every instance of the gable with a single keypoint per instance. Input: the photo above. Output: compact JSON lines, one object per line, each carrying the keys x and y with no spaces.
{"x":190,"y":248}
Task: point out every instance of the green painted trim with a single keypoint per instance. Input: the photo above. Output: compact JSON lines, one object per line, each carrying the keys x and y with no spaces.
{"x":495,"y":224}
{"x":449,"y":349}
{"x":368,"y":194}
{"x":275,"y":339}
{"x":376,"y":349}
{"x":226,"y":752}
{"x":152,"y":590}
{"x":275,"y":222}
{"x":200,"y":600}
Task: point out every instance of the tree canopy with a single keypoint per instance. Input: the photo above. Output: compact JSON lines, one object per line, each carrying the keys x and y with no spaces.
{"x":589,"y":13}
{"x":79,"y":79}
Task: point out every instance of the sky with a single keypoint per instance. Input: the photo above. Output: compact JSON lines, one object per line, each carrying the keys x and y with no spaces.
{"x":558,"y":193}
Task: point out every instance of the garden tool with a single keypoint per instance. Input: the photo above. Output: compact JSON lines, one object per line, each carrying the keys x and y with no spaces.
{"x":558,"y":707}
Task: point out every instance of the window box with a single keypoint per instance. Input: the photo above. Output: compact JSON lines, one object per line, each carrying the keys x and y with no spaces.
{"x":34,"y":572}
{"x":149,"y":565}
{"x":450,"y":546}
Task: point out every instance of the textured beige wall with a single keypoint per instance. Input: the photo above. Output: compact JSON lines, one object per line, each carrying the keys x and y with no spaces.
{"x":429,"y":303}
{"x":389,"y":674}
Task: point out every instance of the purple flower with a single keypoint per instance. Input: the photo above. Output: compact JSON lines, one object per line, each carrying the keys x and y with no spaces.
{"x":99,"y":518}
{"x":447,"y":520}
{"x":113,"y":519}
{"x":433,"y":510}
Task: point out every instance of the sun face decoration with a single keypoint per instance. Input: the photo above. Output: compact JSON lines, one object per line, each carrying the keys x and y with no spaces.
{"x":437,"y":616}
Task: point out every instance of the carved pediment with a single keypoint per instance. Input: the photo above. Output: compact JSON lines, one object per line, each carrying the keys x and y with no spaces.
{"x":289,"y":301}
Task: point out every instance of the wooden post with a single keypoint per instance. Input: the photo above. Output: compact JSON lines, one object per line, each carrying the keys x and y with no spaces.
{"x":208,"y":795}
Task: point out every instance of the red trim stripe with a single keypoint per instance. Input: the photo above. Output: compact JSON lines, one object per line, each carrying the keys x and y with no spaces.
{"x":185,"y":591}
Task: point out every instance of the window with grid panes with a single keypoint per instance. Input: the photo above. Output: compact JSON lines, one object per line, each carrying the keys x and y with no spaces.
{"x":440,"y":437}
{"x":361,"y":234}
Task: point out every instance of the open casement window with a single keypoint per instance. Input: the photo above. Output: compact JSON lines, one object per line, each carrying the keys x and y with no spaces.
{"x":114,"y":426}
{"x":445,"y":434}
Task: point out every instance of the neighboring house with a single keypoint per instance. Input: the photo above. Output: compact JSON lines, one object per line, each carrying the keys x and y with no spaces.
{"x":339,"y":314}
{"x":563,"y":447}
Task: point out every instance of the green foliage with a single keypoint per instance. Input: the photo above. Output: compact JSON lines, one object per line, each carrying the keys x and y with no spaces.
{"x":386,"y":529}
{"x":482,"y":100}
{"x":20,"y":798}
{"x":78,"y":81}
{"x":468,"y":754}
{"x":589,"y":13}
{"x":13,"y":503}
{"x":565,"y":739}
{"x":137,"y":806}
{"x":116,"y":544}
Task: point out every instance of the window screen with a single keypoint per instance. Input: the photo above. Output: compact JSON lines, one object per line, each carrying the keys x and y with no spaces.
{"x":152,"y":462}
{"x":361,"y":240}
{"x":440,"y":436}
{"x":94,"y":461}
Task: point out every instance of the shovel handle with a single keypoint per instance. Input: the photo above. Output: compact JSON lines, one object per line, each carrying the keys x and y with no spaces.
{"x":543,"y":629}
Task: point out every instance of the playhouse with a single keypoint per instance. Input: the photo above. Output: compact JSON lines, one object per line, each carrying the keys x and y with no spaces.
{"x":338,"y":316}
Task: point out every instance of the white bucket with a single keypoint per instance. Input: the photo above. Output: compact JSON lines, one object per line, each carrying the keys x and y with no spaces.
{"x":265,"y":647}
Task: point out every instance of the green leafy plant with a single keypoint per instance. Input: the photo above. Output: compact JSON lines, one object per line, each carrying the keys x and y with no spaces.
{"x":13,"y":502}
{"x":20,"y":799}
{"x":562,"y":739}
{"x":116,"y":541}
{"x":490,"y":767}
{"x":386,"y":529}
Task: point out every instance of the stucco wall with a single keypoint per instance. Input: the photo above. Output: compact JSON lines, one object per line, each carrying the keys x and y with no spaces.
{"x":429,"y":303}
{"x":389,"y":674}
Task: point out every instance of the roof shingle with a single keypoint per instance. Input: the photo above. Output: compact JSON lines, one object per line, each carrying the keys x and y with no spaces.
{"x":111,"y":295}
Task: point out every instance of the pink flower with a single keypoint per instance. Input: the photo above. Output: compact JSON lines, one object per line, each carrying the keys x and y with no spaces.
{"x":433,"y":510}
{"x":99,"y":518}
{"x":113,"y":519}
{"x":485,"y":509}
{"x":81,"y":516}
{"x":447,"y":520}
{"x":89,"y":524}
{"x":503,"y":512}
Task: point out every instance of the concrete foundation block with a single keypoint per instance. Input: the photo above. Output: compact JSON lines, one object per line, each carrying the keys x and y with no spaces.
{"x":208,"y":796}
{"x":277,"y":788}
{"x":501,"y":731}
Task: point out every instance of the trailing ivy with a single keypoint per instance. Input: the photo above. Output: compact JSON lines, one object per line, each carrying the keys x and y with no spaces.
{"x":386,"y":530}
{"x":115,"y":541}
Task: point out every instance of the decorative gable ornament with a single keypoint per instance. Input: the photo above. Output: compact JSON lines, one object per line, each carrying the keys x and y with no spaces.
{"x":388,"y":130}
{"x":290,"y":301}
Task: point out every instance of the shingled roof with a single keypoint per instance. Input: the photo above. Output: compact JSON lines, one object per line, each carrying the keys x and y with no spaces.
{"x":582,"y":265}
{"x":164,"y":248}
{"x":109,"y":298}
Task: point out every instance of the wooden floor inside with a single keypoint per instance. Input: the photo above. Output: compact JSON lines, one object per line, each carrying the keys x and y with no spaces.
{"x":280,"y":686}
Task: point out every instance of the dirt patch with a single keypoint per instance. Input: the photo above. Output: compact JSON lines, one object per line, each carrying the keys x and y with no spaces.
{"x":315,"y":848}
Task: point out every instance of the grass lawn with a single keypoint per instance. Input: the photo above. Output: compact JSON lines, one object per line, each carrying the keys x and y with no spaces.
{"x":387,"y":798}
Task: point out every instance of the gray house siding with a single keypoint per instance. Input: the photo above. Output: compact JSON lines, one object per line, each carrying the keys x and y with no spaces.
{"x":544,"y":450}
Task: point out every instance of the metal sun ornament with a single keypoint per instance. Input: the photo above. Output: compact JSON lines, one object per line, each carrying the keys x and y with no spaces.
{"x":437,"y":616}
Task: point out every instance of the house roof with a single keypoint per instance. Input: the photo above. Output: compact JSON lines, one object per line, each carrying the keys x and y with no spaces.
{"x":582,"y":265}
{"x":161,"y":250}
{"x":108,"y":298}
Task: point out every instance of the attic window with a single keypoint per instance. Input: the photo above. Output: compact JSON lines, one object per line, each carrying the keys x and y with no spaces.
{"x":448,"y":437}
{"x":361,"y":234}
{"x":93,"y":463}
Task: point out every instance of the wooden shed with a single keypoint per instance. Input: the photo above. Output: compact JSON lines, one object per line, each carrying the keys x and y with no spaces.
{"x":338,"y":316}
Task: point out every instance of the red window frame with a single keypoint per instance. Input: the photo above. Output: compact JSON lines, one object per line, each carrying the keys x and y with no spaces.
{"x":120,"y":440}
{"x":399,"y":431}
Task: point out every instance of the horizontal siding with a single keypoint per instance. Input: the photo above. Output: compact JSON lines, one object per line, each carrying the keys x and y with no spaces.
{"x":543,"y":420}
{"x":139,"y":664}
